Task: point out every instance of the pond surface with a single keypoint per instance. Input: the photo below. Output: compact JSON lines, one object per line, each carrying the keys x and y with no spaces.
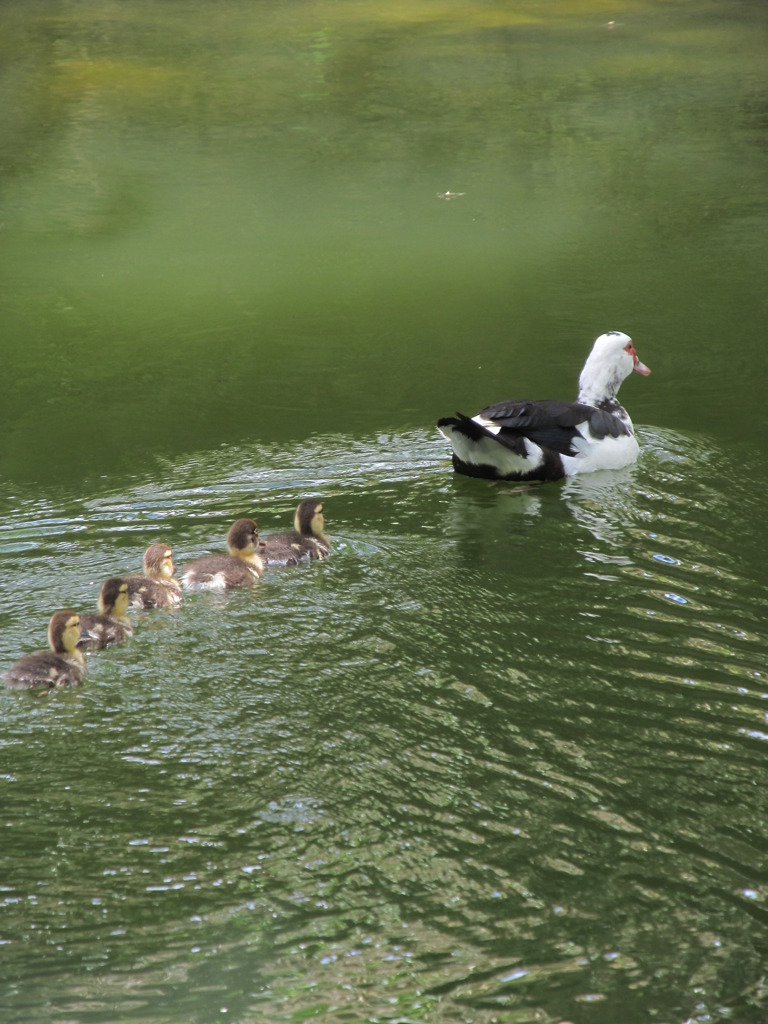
{"x":504,"y":755}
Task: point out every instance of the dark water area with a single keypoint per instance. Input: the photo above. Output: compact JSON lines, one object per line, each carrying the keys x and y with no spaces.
{"x":502,"y":756}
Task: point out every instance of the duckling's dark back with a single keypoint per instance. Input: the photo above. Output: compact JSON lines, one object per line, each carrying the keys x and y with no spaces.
{"x":155,"y":589}
{"x":241,"y":567}
{"x":63,"y":665}
{"x":306,"y":541}
{"x":106,"y":627}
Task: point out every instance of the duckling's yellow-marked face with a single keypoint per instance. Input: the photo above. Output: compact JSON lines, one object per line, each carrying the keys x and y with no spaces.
{"x":158,"y":561}
{"x":122,"y":600}
{"x":248,"y":546}
{"x":243,"y":538}
{"x":71,"y":633}
{"x":251,"y":539}
{"x":318,"y":520}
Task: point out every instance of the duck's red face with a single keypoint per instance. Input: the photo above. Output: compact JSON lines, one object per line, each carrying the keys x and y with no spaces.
{"x":638,"y":367}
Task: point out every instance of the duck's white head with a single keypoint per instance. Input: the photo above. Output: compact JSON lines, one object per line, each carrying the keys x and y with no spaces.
{"x":613,"y":357}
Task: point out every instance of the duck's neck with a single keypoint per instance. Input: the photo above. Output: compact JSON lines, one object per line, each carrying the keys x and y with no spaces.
{"x":598,"y":384}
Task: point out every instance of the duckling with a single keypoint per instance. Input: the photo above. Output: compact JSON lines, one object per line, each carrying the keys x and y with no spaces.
{"x":304,"y":542}
{"x":63,"y":665}
{"x":110,"y":626}
{"x":241,"y":567}
{"x":158,"y":587}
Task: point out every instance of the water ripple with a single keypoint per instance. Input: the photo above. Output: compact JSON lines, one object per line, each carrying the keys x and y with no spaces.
{"x":468,"y":756}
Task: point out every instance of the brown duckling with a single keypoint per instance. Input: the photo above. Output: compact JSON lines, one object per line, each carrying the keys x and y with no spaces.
{"x":158,"y":587}
{"x":304,"y":542}
{"x":241,"y":567}
{"x":63,"y":665}
{"x":110,"y":625}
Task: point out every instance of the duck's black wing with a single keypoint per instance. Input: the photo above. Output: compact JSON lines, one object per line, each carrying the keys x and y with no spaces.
{"x":551,"y":424}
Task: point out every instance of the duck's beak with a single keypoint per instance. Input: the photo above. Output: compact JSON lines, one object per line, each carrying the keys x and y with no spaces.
{"x":640,"y":367}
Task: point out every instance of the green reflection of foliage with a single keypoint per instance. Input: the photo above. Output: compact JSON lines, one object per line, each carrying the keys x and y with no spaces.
{"x":123,"y":80}
{"x":195,"y":68}
{"x":203,"y":158}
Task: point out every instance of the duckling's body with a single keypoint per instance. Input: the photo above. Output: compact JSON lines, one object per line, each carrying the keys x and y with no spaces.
{"x":241,"y":567}
{"x":110,"y":625}
{"x":158,"y":587}
{"x":63,"y":665}
{"x":304,"y":542}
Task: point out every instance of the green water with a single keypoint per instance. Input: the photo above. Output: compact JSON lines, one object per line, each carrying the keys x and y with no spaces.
{"x":502,"y":757}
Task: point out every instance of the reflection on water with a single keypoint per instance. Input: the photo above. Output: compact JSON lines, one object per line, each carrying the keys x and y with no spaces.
{"x":217,"y":230}
{"x":460,"y":765}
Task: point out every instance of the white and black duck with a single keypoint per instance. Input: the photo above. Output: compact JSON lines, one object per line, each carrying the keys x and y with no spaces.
{"x":547,"y":440}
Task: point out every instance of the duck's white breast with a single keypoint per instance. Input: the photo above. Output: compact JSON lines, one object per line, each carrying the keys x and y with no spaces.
{"x":607,"y":453}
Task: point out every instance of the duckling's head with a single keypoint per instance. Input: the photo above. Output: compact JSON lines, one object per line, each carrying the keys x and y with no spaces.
{"x":64,"y":631}
{"x":243,"y":538}
{"x":158,"y":562}
{"x":114,"y":597}
{"x":309,"y":518}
